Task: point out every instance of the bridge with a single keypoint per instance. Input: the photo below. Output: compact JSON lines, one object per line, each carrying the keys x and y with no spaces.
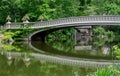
{"x":66,"y":22}
{"x":63,"y":23}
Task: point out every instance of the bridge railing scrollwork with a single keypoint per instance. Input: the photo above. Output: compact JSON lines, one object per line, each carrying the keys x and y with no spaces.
{"x":18,"y":25}
{"x":83,"y":20}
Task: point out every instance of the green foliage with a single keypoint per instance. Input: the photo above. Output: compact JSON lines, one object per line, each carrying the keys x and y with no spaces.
{"x":115,"y":29}
{"x":116,"y":50}
{"x":20,"y":34}
{"x":15,"y":47}
{"x":99,"y":31}
{"x":110,"y":33}
{"x":62,"y":34}
{"x":98,"y":41}
{"x":49,"y":9}
{"x":16,"y":35}
{"x":103,"y":72}
{"x":7,"y":36}
{"x":110,"y":71}
{"x":8,"y":47}
{"x":110,"y":7}
{"x":63,"y":46}
{"x":102,"y":31}
{"x":52,"y":9}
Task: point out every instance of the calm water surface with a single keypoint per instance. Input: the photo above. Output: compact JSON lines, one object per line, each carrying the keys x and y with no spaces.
{"x":29,"y":59}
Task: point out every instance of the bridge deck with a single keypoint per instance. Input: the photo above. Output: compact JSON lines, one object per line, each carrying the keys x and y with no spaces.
{"x":72,"y":21}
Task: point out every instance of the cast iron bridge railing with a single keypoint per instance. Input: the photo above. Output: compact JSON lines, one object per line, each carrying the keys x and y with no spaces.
{"x":72,"y":21}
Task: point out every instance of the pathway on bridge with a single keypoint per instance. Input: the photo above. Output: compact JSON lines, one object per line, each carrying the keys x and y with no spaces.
{"x":72,"y":21}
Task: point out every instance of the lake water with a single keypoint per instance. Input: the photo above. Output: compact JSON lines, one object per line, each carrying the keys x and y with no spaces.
{"x":57,"y":58}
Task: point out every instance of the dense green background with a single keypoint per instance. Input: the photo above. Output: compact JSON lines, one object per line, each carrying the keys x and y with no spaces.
{"x":53,"y":9}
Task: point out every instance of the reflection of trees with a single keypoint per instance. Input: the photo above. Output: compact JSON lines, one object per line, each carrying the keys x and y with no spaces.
{"x":105,"y":44}
{"x":101,"y":41}
{"x":8,"y":47}
{"x":101,"y":47}
{"x":16,"y":46}
{"x":38,"y":68}
{"x":116,"y":49}
{"x":66,"y":45}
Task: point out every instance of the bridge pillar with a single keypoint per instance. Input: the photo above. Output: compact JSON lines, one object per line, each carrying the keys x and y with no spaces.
{"x":82,"y":31}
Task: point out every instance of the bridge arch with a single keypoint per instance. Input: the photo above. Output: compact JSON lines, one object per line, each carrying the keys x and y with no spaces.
{"x":41,"y":34}
{"x":72,"y":22}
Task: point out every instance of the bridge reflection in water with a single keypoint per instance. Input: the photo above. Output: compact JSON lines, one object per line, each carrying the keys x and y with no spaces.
{"x":88,"y":63}
{"x":42,"y":56}
{"x":80,"y":62}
